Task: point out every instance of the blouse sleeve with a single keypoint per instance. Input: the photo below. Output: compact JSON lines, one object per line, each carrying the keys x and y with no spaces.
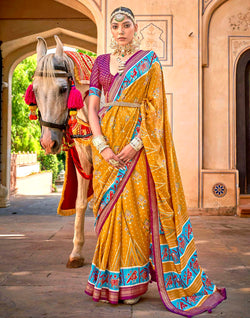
{"x":95,"y":87}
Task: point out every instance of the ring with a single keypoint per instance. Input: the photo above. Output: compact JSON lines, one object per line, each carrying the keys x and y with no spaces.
{"x":114,"y":162}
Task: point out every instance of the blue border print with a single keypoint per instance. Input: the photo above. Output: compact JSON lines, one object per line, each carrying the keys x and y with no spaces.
{"x":95,"y":91}
{"x":136,"y":71}
{"x":126,"y":277}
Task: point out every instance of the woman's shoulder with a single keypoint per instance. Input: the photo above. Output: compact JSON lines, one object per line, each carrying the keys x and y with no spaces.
{"x":103,"y":57}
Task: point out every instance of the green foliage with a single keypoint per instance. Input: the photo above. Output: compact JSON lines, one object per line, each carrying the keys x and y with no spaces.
{"x":49,"y":162}
{"x":86,"y":52}
{"x":61,"y":159}
{"x":25,"y":133}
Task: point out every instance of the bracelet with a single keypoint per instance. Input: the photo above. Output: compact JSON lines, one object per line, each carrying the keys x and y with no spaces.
{"x":103,"y":147}
{"x":100,"y":143}
{"x":136,"y":143}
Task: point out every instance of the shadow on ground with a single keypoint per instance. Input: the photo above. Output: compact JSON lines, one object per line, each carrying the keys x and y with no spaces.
{"x":35,"y":243}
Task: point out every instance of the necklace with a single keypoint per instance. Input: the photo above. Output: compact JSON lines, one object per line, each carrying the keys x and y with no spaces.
{"x":123,"y":50}
{"x":121,"y":65}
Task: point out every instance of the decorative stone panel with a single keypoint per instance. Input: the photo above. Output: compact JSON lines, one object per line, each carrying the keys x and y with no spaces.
{"x":240,"y":21}
{"x":156,"y":33}
{"x":219,"y":188}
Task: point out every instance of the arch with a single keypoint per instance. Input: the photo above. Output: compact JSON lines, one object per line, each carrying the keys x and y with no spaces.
{"x":243,"y":121}
{"x":206,"y":20}
{"x":87,"y":7}
{"x":21,"y":41}
{"x":74,"y":39}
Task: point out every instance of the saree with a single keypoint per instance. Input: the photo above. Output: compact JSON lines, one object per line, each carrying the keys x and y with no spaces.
{"x":144,"y":231}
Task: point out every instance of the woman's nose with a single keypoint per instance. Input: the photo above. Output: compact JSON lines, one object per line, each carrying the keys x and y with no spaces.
{"x":121,"y":31}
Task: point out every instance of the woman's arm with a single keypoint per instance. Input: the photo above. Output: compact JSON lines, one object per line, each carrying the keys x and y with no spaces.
{"x":128,"y":152}
{"x":107,"y":153}
{"x":93,"y":109}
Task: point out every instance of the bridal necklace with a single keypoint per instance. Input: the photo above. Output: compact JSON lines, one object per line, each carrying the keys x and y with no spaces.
{"x":122,"y":51}
{"x":121,"y":64}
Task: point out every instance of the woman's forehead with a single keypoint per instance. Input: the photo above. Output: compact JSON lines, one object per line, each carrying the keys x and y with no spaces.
{"x":126,"y":20}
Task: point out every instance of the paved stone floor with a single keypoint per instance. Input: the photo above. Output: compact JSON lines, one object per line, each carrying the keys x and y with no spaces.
{"x":34,"y":282}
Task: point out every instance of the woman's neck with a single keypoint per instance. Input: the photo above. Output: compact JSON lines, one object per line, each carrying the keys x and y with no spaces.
{"x":125,"y":50}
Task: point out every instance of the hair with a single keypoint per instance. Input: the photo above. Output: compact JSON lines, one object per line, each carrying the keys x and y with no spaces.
{"x":47,"y":65}
{"x":125,"y":10}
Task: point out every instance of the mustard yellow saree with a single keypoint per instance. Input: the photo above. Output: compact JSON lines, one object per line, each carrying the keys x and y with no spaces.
{"x":144,"y":232}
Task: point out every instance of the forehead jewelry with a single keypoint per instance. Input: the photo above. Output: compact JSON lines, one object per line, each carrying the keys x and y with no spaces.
{"x":121,"y":15}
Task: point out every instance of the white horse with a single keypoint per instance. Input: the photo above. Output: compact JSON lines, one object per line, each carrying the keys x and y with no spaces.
{"x":51,"y":86}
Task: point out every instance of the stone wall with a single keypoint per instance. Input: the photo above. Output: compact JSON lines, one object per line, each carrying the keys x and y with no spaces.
{"x":199,"y":44}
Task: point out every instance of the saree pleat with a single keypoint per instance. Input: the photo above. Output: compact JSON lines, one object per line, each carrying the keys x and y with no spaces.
{"x":146,"y":233}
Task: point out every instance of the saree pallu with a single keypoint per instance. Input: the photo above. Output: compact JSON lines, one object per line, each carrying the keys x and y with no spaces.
{"x":144,"y":232}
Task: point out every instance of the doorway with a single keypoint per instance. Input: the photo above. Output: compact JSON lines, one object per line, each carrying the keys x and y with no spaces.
{"x":243,"y":121}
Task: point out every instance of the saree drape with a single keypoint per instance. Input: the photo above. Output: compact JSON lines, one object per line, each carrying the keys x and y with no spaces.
{"x":144,"y":231}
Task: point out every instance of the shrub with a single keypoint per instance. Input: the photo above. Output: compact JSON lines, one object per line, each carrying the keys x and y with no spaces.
{"x":49,"y":162}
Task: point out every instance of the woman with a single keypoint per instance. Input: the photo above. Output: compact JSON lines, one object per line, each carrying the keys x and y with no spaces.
{"x":143,"y":228}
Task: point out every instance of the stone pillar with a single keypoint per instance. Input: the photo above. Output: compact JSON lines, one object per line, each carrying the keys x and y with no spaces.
{"x":5,"y":138}
{"x":4,"y":194}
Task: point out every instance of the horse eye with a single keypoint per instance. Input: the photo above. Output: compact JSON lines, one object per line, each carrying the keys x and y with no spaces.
{"x":62,"y":89}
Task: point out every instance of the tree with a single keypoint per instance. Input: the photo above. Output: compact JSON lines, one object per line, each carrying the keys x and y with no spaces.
{"x":25,"y":133}
{"x":86,"y":52}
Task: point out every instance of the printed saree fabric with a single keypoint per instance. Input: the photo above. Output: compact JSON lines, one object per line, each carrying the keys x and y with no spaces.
{"x":144,"y":232}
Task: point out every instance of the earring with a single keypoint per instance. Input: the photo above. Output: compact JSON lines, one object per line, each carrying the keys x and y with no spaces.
{"x":113,"y":43}
{"x":136,"y":41}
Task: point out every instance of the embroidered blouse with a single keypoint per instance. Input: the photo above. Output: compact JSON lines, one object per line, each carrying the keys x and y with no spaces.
{"x":101,"y":76}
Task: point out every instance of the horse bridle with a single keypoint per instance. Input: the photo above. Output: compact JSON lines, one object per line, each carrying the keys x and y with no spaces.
{"x":45,"y":74}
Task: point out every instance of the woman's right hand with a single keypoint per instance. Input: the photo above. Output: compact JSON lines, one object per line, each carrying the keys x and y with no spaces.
{"x":109,"y":155}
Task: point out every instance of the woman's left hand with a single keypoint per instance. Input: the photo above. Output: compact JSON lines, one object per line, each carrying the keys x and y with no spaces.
{"x":127,"y":153}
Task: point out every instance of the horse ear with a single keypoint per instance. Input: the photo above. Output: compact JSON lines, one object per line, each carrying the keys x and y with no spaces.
{"x":59,"y":47}
{"x":41,"y":48}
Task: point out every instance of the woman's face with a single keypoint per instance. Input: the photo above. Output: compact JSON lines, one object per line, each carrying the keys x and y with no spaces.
{"x":123,"y":31}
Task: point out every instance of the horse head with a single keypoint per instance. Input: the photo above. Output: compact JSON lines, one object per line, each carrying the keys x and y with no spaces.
{"x":51,"y":85}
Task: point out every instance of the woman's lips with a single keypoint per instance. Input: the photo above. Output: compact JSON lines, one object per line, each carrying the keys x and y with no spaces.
{"x":121,"y":38}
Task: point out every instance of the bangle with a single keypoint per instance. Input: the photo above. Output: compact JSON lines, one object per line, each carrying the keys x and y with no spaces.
{"x":100,"y":143}
{"x":136,"y":143}
{"x":103,"y":147}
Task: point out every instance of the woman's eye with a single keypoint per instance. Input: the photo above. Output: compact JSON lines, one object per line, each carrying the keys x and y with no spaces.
{"x":127,"y":25}
{"x":62,"y":89}
{"x":114,"y":27}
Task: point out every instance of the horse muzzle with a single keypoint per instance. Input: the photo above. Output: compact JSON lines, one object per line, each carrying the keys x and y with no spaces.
{"x":51,"y":140}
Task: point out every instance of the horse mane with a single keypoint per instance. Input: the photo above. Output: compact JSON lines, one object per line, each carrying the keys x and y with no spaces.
{"x":47,"y":65}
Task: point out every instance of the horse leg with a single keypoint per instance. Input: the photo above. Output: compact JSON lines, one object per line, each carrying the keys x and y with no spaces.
{"x":76,"y":258}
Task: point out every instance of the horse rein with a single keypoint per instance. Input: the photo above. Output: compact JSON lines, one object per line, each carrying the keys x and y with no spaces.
{"x":45,"y":74}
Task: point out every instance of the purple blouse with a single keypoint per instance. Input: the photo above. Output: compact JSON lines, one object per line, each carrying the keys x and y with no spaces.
{"x":101,"y":76}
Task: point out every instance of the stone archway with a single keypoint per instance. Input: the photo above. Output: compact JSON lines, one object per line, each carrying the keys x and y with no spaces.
{"x":208,"y":9}
{"x":243,"y":121}
{"x":20,"y":23}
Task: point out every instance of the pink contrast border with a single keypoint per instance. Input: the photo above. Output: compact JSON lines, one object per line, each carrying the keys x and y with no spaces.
{"x":113,"y":297}
{"x":211,"y":302}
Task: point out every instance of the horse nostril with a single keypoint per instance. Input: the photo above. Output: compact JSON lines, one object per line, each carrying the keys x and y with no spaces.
{"x":55,"y":145}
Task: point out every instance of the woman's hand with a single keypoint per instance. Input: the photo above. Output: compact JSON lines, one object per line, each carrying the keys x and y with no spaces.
{"x":127,"y":153}
{"x":112,"y":158}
